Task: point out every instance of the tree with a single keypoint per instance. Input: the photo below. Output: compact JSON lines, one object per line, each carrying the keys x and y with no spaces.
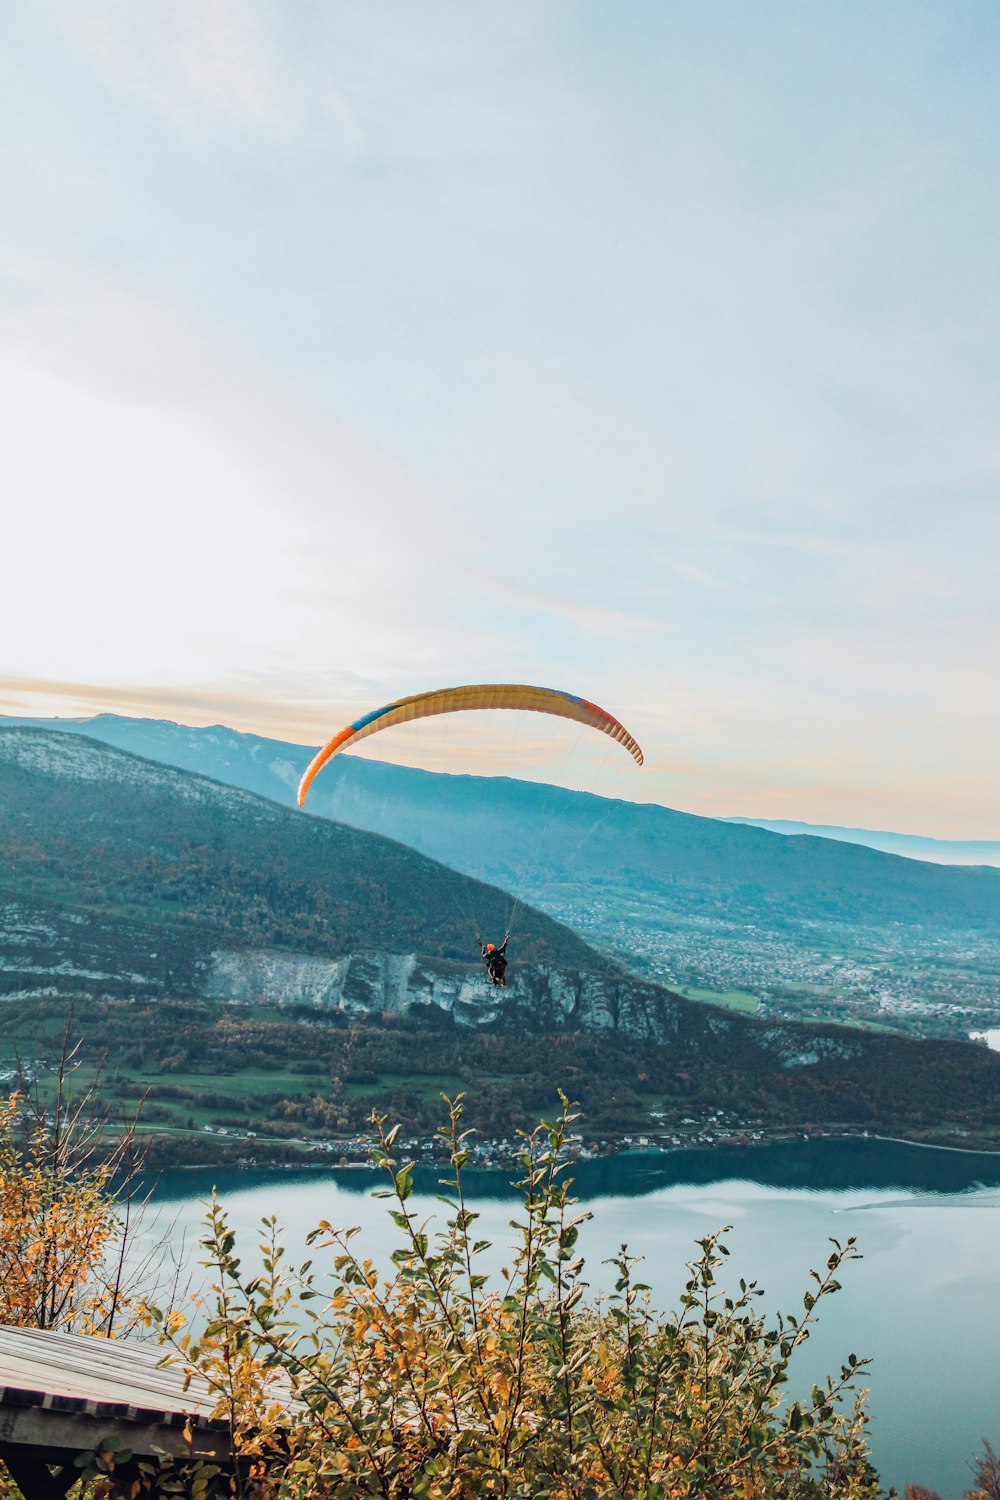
{"x":67,"y":1205}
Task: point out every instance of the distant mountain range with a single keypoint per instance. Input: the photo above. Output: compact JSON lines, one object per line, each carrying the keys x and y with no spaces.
{"x":125,"y":880}
{"x":910,"y":845}
{"x":548,"y":844}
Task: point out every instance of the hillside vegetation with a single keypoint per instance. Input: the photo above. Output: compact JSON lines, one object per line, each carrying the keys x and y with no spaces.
{"x":799,"y":927}
{"x":431,"y":1379}
{"x":716,"y":867}
{"x":86,"y":826}
{"x":146,"y":896}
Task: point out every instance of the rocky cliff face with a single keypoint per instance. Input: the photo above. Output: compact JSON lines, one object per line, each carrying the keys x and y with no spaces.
{"x":538,"y":997}
{"x":541,"y":998}
{"x":47,"y":950}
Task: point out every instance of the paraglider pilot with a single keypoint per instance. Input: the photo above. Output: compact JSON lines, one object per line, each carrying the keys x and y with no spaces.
{"x":496,"y":960}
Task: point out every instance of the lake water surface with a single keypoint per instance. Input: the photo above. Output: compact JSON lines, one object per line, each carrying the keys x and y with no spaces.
{"x":924,"y":1302}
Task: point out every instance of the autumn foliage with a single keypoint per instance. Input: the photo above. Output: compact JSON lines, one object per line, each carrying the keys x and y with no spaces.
{"x":64,"y":1206}
{"x":435,"y":1382}
{"x":432,"y":1380}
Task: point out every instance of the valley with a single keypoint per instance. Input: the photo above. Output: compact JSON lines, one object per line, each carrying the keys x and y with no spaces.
{"x":260,"y":976}
{"x":916,"y":983}
{"x":803,"y":927}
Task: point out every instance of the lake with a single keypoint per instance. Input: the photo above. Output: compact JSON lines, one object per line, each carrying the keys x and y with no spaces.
{"x":924,"y":1302}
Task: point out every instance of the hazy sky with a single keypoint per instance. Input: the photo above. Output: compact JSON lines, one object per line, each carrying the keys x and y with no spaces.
{"x":649,"y":350}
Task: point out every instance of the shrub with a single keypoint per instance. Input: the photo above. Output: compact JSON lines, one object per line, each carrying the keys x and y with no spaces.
{"x":435,"y":1382}
{"x":66,"y":1202}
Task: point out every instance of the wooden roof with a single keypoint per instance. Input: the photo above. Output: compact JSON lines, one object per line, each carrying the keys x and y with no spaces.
{"x":76,"y":1367}
{"x":61,"y":1393}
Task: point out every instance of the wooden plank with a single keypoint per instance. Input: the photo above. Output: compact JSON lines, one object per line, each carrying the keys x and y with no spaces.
{"x":62,"y":1435}
{"x":62,"y":1393}
{"x":113,"y":1372}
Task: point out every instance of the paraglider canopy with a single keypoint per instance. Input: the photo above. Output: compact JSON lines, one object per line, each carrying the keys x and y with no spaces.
{"x":457,"y":700}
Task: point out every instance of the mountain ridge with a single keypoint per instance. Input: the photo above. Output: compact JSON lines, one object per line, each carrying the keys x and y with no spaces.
{"x":981,"y":853}
{"x":714,"y":865}
{"x":355,"y":865}
{"x":152,"y":892}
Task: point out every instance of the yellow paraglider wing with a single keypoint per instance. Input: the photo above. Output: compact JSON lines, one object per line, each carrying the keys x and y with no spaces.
{"x":457,"y":700}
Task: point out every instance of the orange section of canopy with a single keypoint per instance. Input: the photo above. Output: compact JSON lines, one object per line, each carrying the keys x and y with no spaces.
{"x":458,"y":700}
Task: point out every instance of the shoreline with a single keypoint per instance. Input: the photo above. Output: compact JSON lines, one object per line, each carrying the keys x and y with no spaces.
{"x":898,"y":1140}
{"x":307,"y":1159}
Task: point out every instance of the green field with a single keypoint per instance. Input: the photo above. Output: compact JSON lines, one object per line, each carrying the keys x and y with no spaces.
{"x":730,"y":999}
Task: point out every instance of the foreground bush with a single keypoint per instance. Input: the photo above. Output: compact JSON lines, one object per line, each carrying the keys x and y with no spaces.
{"x":436,"y":1383}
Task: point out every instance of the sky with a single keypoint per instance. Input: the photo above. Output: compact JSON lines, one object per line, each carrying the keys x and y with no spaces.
{"x":649,"y":351}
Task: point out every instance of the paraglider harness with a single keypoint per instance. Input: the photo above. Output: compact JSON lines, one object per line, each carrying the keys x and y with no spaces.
{"x":496,"y":960}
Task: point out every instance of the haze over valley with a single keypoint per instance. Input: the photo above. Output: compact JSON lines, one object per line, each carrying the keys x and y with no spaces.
{"x":201,"y":933}
{"x":792,"y":926}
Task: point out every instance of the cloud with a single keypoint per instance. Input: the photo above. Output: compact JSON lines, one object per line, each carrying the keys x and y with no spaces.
{"x":350,"y":351}
{"x":303,"y":713}
{"x":206,"y":64}
{"x":589,"y":619}
{"x":190,"y":520}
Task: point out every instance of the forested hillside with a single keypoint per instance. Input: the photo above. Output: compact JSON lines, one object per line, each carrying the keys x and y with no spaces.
{"x":255,"y":964}
{"x":704,"y":866}
{"x":89,"y":827}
